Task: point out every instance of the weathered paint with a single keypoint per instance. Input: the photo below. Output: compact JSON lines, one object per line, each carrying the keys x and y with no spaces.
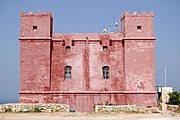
{"x":130,"y":57}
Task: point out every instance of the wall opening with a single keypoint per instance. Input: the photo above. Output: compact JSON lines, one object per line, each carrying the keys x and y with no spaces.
{"x":105,"y":71}
{"x":34,"y":28}
{"x":105,"y":48}
{"x":138,"y":27}
{"x":67,"y":72}
{"x":68,"y":48}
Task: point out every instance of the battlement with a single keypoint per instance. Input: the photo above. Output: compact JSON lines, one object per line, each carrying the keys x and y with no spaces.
{"x":135,"y":14}
{"x":31,"y":13}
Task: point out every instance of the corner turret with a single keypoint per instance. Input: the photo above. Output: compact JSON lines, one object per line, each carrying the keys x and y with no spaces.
{"x":36,"y":25}
{"x":138,"y":25}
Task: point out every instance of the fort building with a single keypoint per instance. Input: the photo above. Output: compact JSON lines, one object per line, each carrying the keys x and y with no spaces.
{"x":84,"y":69}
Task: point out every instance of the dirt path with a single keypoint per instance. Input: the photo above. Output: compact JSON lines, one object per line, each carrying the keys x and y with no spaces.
{"x":87,"y":116}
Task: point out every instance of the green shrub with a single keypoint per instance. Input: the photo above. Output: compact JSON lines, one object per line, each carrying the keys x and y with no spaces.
{"x":26,"y":111}
{"x":174,"y":98}
{"x":37,"y":109}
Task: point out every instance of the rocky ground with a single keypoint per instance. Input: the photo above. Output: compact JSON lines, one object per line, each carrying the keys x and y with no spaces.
{"x":89,"y":116}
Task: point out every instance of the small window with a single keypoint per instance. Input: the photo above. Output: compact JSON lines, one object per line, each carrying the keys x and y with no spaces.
{"x":34,"y":27}
{"x":138,"y":27}
{"x":105,"y":71}
{"x":67,"y":72}
{"x":105,"y":48}
{"x":68,"y":48}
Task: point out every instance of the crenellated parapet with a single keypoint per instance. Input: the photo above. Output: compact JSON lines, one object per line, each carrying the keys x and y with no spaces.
{"x":31,"y":13}
{"x":137,"y":25}
{"x":135,"y":14}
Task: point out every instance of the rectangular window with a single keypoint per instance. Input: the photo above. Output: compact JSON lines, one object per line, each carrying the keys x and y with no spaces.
{"x":139,"y":28}
{"x":105,"y":71}
{"x":67,"y":73}
{"x":34,"y":27}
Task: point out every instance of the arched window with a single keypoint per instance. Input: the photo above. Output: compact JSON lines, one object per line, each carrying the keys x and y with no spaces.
{"x":68,"y":48}
{"x":105,"y":71}
{"x":105,"y":48}
{"x":67,"y":72}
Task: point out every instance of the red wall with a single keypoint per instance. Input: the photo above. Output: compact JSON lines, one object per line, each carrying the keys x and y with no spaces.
{"x":87,"y":59}
{"x":35,"y":65}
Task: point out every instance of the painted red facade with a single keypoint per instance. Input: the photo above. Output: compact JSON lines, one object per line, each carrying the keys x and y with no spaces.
{"x":128,"y":53}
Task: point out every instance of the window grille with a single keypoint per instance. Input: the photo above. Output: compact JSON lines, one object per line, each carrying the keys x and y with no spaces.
{"x":105,"y":71}
{"x":67,"y":72}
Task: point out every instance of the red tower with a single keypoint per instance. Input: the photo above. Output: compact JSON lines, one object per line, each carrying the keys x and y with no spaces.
{"x":86,"y":69}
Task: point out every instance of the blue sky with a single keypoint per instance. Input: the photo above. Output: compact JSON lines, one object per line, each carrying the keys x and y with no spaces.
{"x":88,"y":16}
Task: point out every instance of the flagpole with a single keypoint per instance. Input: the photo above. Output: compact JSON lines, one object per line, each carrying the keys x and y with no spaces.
{"x":165,"y":75}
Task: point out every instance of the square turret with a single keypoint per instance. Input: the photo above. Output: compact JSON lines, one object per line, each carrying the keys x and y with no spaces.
{"x":137,"y":25}
{"x":36,"y":25}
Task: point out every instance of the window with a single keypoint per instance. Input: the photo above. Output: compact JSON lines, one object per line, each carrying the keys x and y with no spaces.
{"x":67,"y":72}
{"x":105,"y":48}
{"x":105,"y":71}
{"x":34,"y":28}
{"x":138,"y":27}
{"x":68,"y":48}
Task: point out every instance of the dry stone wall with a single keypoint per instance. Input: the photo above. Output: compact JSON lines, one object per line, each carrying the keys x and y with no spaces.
{"x":34,"y":108}
{"x":126,"y":108}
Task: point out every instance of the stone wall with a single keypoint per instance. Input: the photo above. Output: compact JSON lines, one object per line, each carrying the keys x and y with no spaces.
{"x":126,"y":108}
{"x":34,"y":108}
{"x":172,"y":107}
{"x":166,"y":107}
